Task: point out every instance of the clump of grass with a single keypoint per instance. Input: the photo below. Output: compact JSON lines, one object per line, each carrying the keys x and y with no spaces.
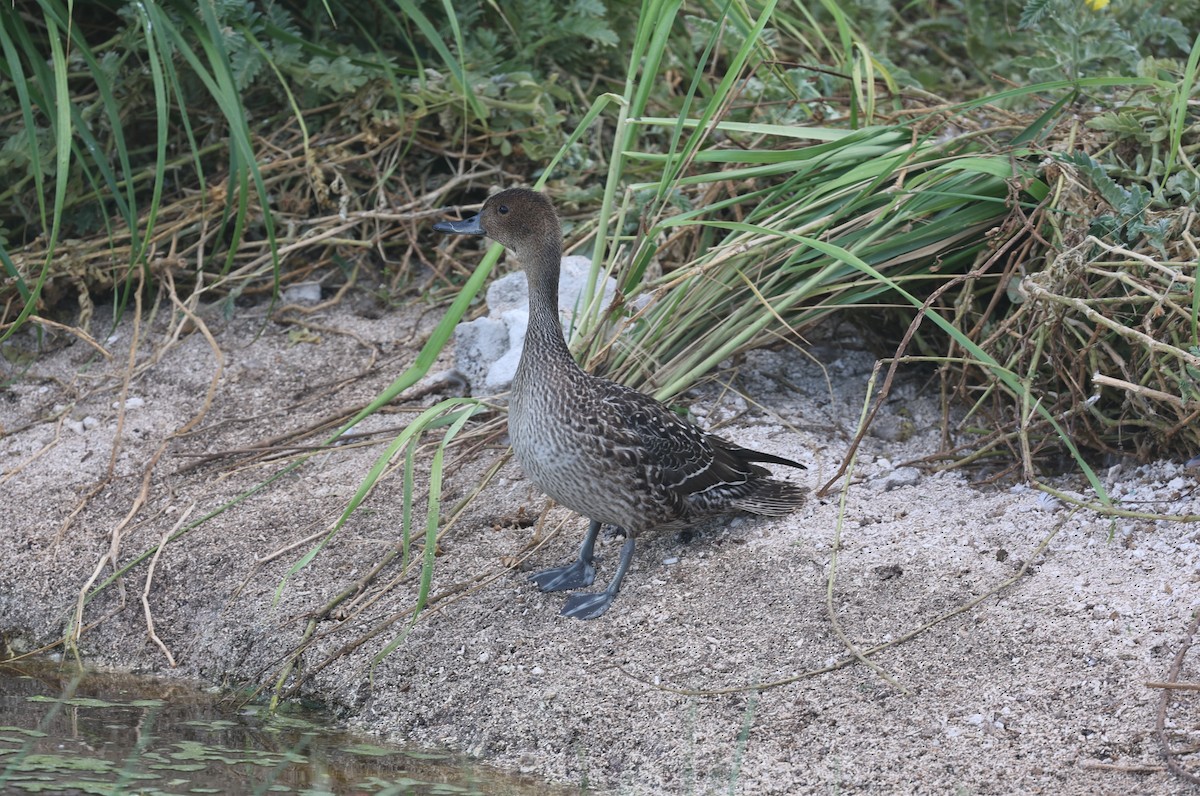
{"x":1108,"y":331}
{"x":140,"y":137}
{"x":911,"y":207}
{"x":759,"y":235}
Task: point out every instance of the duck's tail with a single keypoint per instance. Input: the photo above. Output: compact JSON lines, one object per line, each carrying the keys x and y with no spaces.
{"x":748,"y":455}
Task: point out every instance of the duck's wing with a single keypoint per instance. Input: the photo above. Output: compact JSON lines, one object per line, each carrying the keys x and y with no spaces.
{"x":694,"y":466}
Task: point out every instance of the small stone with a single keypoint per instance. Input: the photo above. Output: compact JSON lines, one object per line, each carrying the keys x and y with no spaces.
{"x":901,"y":476}
{"x":888,"y":571}
{"x":890,"y":428}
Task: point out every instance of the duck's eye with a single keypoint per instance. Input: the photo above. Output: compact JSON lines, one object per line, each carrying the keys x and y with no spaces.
{"x":502,"y":210}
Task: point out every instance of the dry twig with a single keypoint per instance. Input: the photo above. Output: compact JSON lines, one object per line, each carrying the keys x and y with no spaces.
{"x":1160,"y":725}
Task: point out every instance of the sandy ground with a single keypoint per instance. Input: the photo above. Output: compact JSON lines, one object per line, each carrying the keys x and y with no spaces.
{"x":1040,"y":687}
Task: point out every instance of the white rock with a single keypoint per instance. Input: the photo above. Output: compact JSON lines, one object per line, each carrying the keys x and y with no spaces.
{"x":477,"y":344}
{"x":488,"y":349}
{"x":502,"y":371}
{"x":302,"y":293}
{"x":510,"y":291}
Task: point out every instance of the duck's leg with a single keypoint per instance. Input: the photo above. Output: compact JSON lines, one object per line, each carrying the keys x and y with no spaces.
{"x":590,"y":606}
{"x":578,"y":573}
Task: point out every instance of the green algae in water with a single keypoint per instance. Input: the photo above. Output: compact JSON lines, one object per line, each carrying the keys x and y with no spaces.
{"x":116,"y":735}
{"x":83,"y":702}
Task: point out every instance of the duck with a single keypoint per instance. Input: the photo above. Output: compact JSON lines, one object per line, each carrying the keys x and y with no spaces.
{"x":604,"y":450}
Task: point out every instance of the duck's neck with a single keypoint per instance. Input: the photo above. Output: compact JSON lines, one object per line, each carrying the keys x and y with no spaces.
{"x":544,"y":342}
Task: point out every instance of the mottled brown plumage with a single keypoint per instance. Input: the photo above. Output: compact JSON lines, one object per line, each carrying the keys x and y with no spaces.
{"x":599,"y":448}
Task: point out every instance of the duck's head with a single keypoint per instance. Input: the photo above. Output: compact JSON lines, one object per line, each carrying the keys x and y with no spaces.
{"x":521,"y":220}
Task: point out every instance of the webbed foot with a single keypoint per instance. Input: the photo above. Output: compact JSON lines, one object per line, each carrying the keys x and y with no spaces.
{"x":590,"y":606}
{"x":576,"y":575}
{"x":587,"y":606}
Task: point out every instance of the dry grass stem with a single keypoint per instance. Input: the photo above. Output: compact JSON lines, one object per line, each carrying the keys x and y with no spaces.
{"x":162,"y":543}
{"x":1174,"y":686}
{"x":1160,"y":725}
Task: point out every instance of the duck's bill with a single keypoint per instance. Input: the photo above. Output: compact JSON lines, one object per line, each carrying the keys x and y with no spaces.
{"x":468,"y":226}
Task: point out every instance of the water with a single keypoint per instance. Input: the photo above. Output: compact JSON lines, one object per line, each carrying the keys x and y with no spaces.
{"x":119,"y":734}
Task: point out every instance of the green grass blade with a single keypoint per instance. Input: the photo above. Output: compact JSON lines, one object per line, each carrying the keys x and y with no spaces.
{"x":431,"y":418}
{"x":453,"y":64}
{"x":1179,"y":107}
{"x":432,"y":524}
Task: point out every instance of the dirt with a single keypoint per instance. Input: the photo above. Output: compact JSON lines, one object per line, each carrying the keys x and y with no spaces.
{"x":1038,"y":687}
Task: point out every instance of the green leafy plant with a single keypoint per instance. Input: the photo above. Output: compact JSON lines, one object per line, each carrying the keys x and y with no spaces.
{"x":520,"y":35}
{"x":1127,"y":223}
{"x":963,"y":45}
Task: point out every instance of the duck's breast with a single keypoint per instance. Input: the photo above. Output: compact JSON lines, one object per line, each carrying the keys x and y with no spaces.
{"x":561,"y":446}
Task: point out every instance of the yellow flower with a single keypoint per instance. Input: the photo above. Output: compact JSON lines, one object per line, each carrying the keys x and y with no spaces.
{"x":1095,"y":5}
